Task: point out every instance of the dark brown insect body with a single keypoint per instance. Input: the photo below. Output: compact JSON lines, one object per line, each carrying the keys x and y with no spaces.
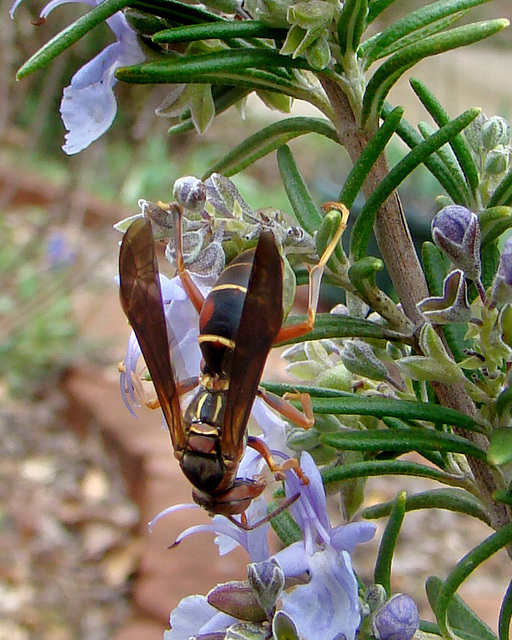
{"x":239,"y":321}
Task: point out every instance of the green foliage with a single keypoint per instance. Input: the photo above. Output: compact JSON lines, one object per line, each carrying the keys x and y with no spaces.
{"x":435,"y":385}
{"x":39,"y":334}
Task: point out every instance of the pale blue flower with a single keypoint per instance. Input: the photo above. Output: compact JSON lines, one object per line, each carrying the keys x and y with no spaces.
{"x":327,"y":606}
{"x":194,"y":616}
{"x":89,"y":106}
{"x":182,"y":331}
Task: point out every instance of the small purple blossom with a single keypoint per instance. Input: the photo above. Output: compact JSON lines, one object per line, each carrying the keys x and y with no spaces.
{"x":456,"y":231}
{"x":59,"y":251}
{"x":88,"y":105}
{"x":397,"y":619}
{"x":182,"y":330}
{"x":327,"y":605}
{"x":194,"y":616}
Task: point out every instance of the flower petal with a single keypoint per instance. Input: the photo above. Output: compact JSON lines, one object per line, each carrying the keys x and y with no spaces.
{"x":326,"y":607}
{"x":348,"y":536}
{"x":194,"y":615}
{"x":87,"y":112}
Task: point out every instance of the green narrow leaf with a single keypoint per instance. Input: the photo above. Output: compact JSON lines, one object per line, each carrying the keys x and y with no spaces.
{"x":363,"y":225}
{"x":187,"y":68}
{"x":351,"y":24}
{"x":418,"y":19}
{"x":376,"y":8}
{"x":343,"y":403}
{"x":70,"y":35}
{"x":363,"y":272}
{"x":412,"y":139}
{"x":326,"y":232}
{"x":239,"y":77}
{"x":505,"y":615}
{"x":177,"y":12}
{"x":462,"y":618}
{"x":490,"y":256}
{"x":224,"y":30}
{"x":382,"y":572}
{"x":400,"y":442}
{"x":458,"y":144}
{"x":267,"y":140}
{"x":331,"y":326}
{"x":449,"y":159}
{"x":463,"y":569}
{"x":493,"y":222}
{"x":434,"y":457}
{"x":303,"y":205}
{"x":457,"y":500}
{"x":371,"y":55}
{"x":391,"y":70}
{"x":287,"y":530}
{"x":368,"y":157}
{"x":500,"y":446}
{"x":435,"y":266}
{"x":367,"y":468}
{"x":503,"y":192}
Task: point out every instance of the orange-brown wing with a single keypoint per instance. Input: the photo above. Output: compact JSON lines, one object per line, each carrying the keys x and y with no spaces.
{"x":141,"y":299}
{"x":260,"y":322}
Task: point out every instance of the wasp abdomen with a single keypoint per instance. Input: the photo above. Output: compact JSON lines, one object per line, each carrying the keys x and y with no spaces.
{"x":221,"y":313}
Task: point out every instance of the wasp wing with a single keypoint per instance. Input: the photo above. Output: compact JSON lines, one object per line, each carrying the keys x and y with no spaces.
{"x":141,"y":300}
{"x":260,"y":322}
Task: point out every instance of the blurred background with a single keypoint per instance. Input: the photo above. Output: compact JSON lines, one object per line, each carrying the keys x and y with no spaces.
{"x":79,"y":477}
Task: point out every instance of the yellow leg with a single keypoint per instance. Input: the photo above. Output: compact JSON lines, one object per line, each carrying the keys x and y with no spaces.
{"x":315,"y":280}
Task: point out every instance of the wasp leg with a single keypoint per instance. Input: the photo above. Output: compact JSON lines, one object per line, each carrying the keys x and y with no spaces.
{"x":277,"y":469}
{"x":304,"y":418}
{"x":141,"y":395}
{"x":315,"y":280}
{"x":243,"y":524}
{"x":191,"y":289}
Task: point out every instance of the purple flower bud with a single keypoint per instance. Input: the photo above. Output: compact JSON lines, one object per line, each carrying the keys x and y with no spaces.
{"x":237,"y":599}
{"x":502,"y":285}
{"x":191,"y":193}
{"x":398,"y":619}
{"x":267,"y":580}
{"x":456,"y":231}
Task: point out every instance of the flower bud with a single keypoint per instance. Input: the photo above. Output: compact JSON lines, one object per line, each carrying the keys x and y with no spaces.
{"x":502,"y":285}
{"x":267,"y":580}
{"x":473,"y":133}
{"x":495,"y":132}
{"x":237,"y":599}
{"x":358,"y":357}
{"x":456,"y":231}
{"x":375,"y":596}
{"x":190,"y":192}
{"x":398,"y":619}
{"x":496,"y":161}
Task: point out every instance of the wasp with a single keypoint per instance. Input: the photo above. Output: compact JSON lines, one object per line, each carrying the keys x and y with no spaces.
{"x":239,"y":321}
